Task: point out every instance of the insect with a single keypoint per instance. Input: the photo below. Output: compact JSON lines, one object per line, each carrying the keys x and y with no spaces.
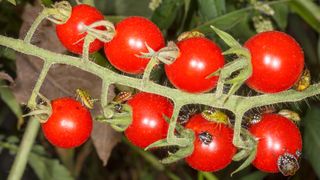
{"x":205,"y":137}
{"x":215,"y":115}
{"x":290,"y":115}
{"x":304,"y":82}
{"x":288,"y":164}
{"x":85,"y":98}
{"x":122,"y":96}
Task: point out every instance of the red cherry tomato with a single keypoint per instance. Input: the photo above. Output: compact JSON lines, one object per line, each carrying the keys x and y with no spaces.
{"x":131,"y":35}
{"x":277,"y":61}
{"x":148,"y":123}
{"x":276,"y":136}
{"x":199,"y":57}
{"x":71,"y":34}
{"x":69,"y":125}
{"x":213,"y":148}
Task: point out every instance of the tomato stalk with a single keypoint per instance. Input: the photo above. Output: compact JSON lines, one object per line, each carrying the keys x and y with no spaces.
{"x":237,"y":104}
{"x":30,"y":134}
{"x":59,"y":13}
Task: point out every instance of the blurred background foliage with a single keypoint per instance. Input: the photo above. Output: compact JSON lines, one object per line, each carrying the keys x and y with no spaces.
{"x":300,"y":18}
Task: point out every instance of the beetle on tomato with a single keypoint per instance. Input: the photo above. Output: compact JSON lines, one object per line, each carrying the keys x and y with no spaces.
{"x":279,"y":144}
{"x":213,"y":148}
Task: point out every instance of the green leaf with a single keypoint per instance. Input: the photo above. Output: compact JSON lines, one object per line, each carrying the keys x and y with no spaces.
{"x":166,"y":13}
{"x":223,"y":22}
{"x":247,"y":162}
{"x":311,"y":138}
{"x":8,"y":97}
{"x":227,"y":38}
{"x":12,"y":2}
{"x":209,"y":9}
{"x":132,"y":7}
{"x":48,"y":169}
{"x":209,"y":176}
{"x":309,"y":11}
{"x":89,"y":2}
{"x":257,"y":175}
{"x":281,"y":15}
{"x":231,"y":19}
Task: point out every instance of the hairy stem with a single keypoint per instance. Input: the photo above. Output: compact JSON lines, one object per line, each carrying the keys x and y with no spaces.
{"x":35,"y":25}
{"x":237,"y":104}
{"x":21,"y":159}
{"x":30,"y":134}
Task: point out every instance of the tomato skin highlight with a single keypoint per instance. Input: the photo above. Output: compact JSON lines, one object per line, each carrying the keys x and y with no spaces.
{"x":148,"y":124}
{"x":276,"y":136}
{"x":69,"y":125}
{"x":131,"y":35}
{"x":198,"y":58}
{"x":216,"y":155}
{"x":71,"y":32}
{"x":277,"y":61}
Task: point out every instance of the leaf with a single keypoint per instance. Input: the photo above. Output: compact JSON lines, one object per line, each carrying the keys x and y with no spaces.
{"x":309,"y":11}
{"x":281,"y":15}
{"x":132,"y":7}
{"x":257,"y":175}
{"x":223,"y":22}
{"x":227,"y":38}
{"x":247,"y":162}
{"x":8,"y":97}
{"x":311,"y":138}
{"x":104,"y":139}
{"x":12,"y":2}
{"x":166,"y":13}
{"x":209,"y":176}
{"x":209,"y":9}
{"x":89,"y":2}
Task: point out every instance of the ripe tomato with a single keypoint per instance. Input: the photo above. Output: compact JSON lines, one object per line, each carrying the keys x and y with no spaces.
{"x":277,"y":61}
{"x":71,"y":34}
{"x":131,"y":35}
{"x":213,"y":148}
{"x":69,"y":125}
{"x":199,"y":57}
{"x":148,"y":124}
{"x":276,"y":136}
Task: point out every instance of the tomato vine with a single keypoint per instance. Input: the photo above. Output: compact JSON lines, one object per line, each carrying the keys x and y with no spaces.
{"x":239,"y":105}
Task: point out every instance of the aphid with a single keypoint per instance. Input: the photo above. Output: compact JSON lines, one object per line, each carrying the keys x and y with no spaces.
{"x":205,"y":137}
{"x":304,"y":82}
{"x":85,"y":98}
{"x":190,"y":34}
{"x":290,"y":115}
{"x":215,"y":115}
{"x":288,"y":164}
{"x":122,"y":97}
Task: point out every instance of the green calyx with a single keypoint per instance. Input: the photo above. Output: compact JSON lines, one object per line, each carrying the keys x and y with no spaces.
{"x":42,"y":111}
{"x":242,"y":65}
{"x":118,"y":116}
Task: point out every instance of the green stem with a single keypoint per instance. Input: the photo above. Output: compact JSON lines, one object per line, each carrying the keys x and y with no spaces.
{"x":236,"y":104}
{"x":34,"y":26}
{"x":146,"y":75}
{"x":30,"y":134}
{"x":21,"y":159}
{"x":86,"y":47}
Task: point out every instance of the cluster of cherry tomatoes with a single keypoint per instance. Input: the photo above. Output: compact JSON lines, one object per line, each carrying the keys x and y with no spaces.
{"x":277,"y":62}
